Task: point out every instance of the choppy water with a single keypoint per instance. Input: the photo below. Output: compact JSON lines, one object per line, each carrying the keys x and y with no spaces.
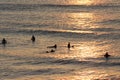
{"x":92,"y":28}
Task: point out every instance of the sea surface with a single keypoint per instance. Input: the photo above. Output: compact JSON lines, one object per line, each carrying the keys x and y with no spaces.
{"x":91,"y":26}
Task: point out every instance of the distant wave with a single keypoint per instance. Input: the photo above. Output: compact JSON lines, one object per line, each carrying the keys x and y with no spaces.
{"x":109,"y":34}
{"x":69,"y":34}
{"x":36,"y":6}
{"x":20,"y":61}
{"x":91,"y":63}
{"x":66,"y":61}
{"x":110,"y":21}
{"x":105,"y":29}
{"x":82,"y":6}
{"x":101,"y":61}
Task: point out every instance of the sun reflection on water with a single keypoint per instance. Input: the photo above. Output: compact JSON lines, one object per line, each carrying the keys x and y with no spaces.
{"x":82,"y":20}
{"x":84,"y":2}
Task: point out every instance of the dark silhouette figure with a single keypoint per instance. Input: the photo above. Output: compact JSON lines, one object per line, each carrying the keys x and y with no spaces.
{"x":106,"y":55}
{"x":68,"y":45}
{"x":4,"y":42}
{"x":55,"y":46}
{"x":33,"y":38}
{"x":52,"y":50}
{"x":47,"y":51}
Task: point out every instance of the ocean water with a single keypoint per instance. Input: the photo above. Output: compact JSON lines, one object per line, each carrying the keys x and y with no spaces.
{"x":91,"y":26}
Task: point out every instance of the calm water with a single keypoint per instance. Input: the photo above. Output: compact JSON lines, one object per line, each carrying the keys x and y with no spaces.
{"x":92,"y":26}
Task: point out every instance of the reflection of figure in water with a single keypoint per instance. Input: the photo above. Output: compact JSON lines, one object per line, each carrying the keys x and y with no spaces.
{"x":106,"y":55}
{"x":4,"y":42}
{"x":55,"y":46}
{"x":33,"y":38}
{"x":68,"y":45}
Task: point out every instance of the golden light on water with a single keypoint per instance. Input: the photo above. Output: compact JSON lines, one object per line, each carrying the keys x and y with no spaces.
{"x":81,"y":19}
{"x":79,"y":2}
{"x":81,"y":22}
{"x":84,"y":2}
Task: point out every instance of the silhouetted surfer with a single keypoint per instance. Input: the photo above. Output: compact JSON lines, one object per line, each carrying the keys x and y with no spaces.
{"x":106,"y":55}
{"x":55,"y":46}
{"x":33,"y":38}
{"x":52,"y":50}
{"x":68,"y":45}
{"x":4,"y":42}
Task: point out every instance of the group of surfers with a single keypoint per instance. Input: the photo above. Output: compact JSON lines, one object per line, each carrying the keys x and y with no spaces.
{"x":4,"y":42}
